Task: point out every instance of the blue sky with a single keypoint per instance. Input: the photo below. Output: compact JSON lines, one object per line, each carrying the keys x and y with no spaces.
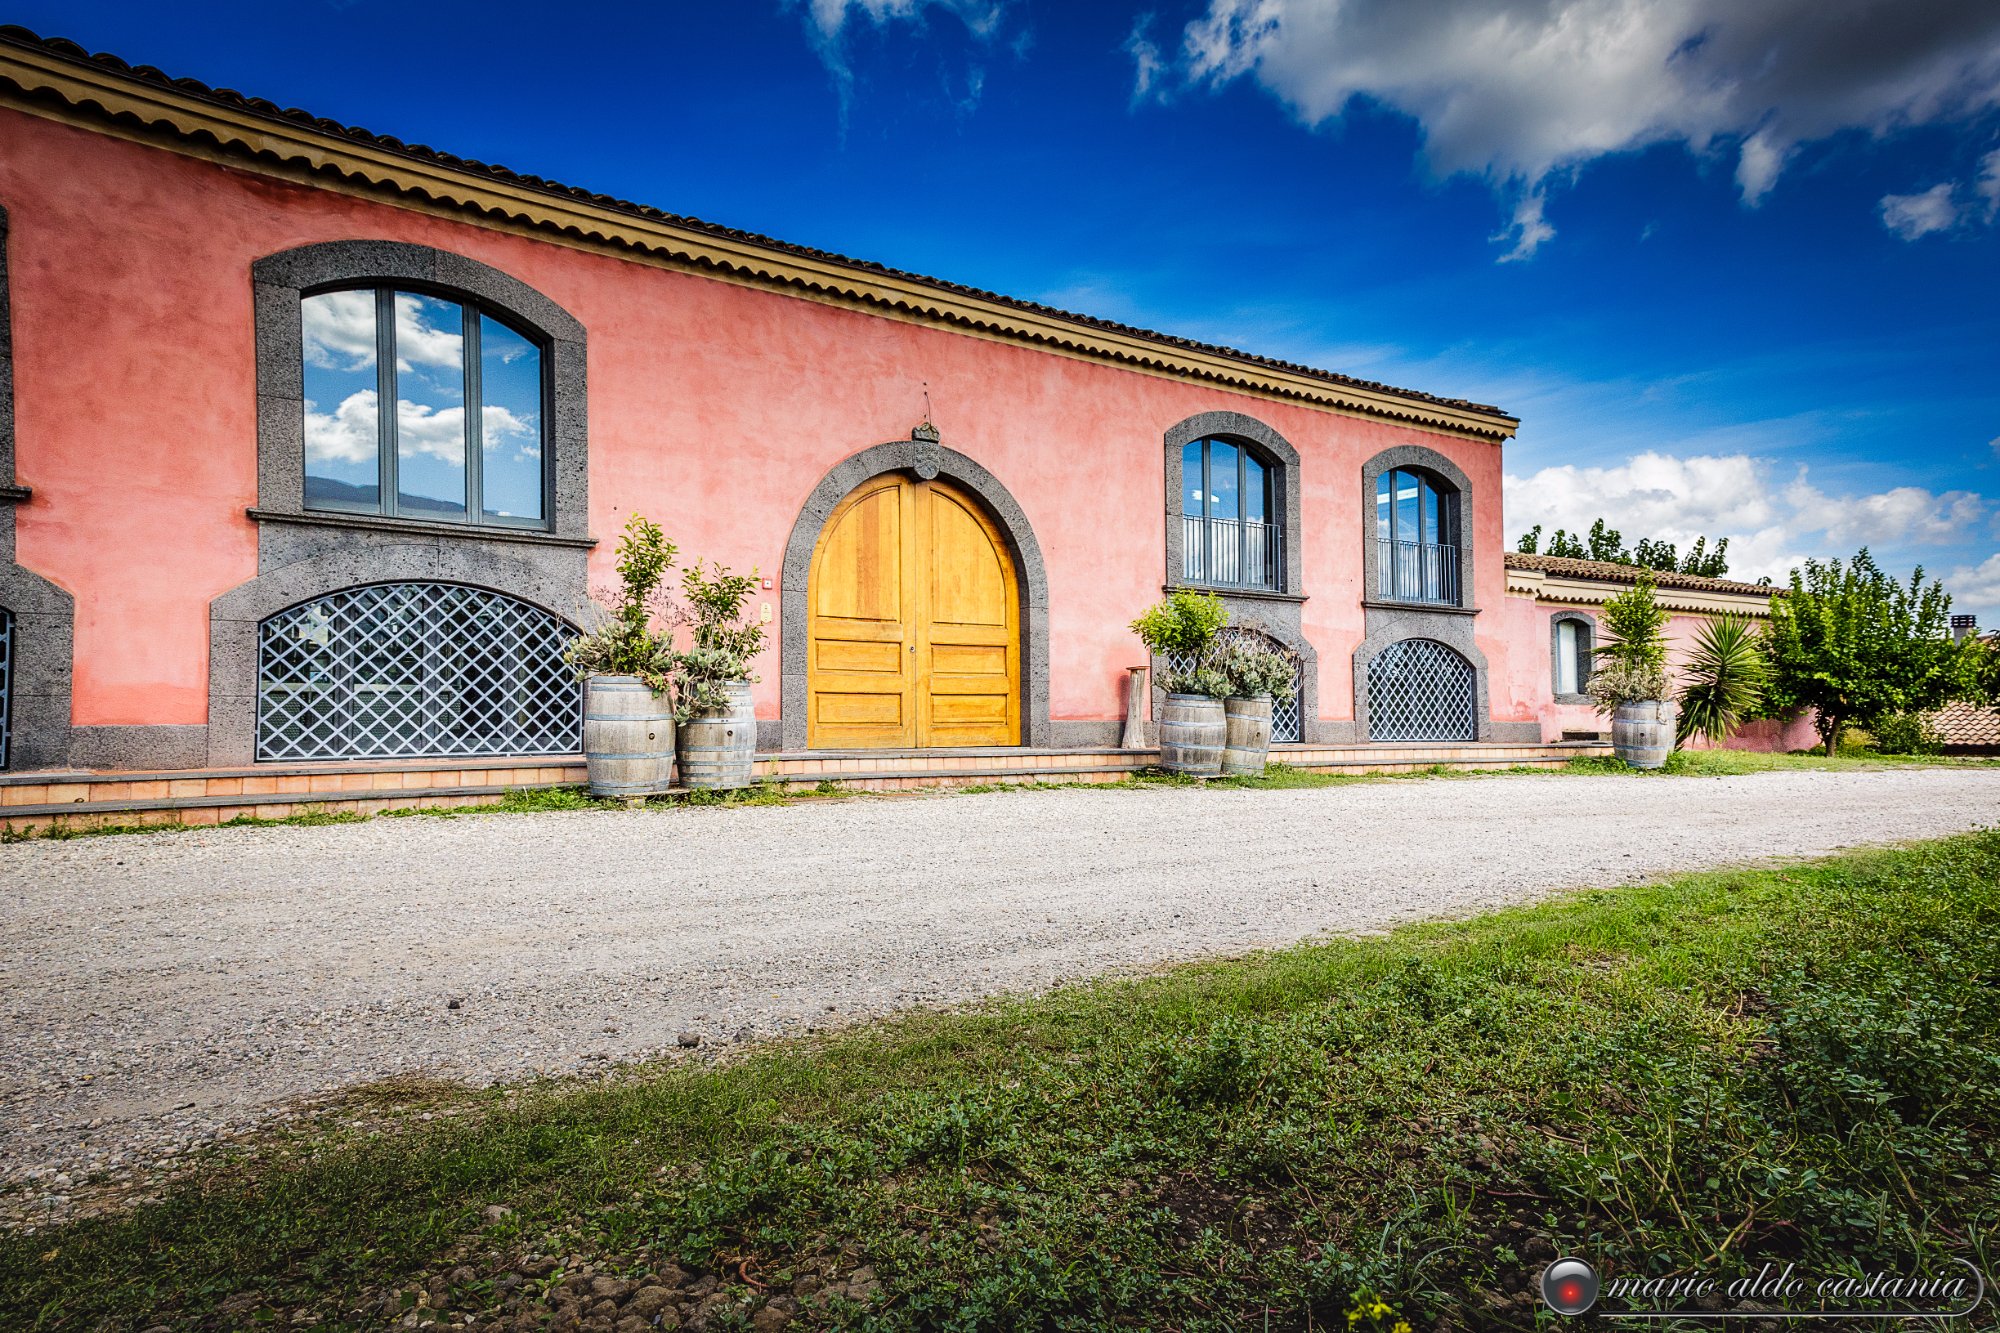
{"x":1738,"y":276}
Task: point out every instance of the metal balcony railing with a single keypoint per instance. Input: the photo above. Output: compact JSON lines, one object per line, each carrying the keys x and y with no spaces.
{"x":1416,"y":572}
{"x":1231,"y":552}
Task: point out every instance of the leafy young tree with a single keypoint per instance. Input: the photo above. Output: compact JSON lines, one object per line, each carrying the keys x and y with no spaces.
{"x":1634,"y":651}
{"x":630,"y":644}
{"x":1854,"y":644}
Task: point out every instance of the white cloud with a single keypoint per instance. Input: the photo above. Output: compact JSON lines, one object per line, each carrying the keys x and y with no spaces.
{"x":1148,"y":64}
{"x":1912,"y":215}
{"x":827,"y":23}
{"x":351,"y":432}
{"x":1772,"y":523}
{"x":1521,"y":91}
{"x":420,"y":342}
{"x":1987,"y":186}
{"x":348,"y":434}
{"x":1976,"y":588}
{"x":339,"y":330}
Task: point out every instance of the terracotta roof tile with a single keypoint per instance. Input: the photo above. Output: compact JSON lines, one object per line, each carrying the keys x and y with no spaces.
{"x":18,"y":36}
{"x":1610,"y":572}
{"x":1967,"y":724}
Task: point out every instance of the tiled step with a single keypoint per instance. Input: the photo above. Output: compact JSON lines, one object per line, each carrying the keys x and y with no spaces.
{"x":213,"y":796}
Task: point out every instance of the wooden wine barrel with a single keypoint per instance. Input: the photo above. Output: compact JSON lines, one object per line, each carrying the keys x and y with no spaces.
{"x":1191,"y":735}
{"x":1642,"y":733}
{"x":718,"y":748}
{"x":1247,"y":735}
{"x":628,"y":737}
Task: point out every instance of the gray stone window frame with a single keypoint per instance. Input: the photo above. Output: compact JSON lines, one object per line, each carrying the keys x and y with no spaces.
{"x":281,"y":282}
{"x":44,"y":612}
{"x":1281,"y":461}
{"x":1385,"y":622}
{"x":1278,"y":613}
{"x":1416,"y":457}
{"x":1587,"y":642}
{"x":927,"y":461}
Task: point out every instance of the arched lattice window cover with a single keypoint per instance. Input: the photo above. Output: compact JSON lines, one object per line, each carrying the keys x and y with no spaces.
{"x":6,"y":685}
{"x":1287,"y":718}
{"x":1420,"y":690}
{"x":397,"y":670}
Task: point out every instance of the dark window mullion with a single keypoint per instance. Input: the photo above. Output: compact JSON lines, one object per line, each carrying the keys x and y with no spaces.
{"x":475,"y":435}
{"x":385,"y":393}
{"x":1242,"y":515}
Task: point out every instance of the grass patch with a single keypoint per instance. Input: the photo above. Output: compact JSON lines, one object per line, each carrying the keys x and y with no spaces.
{"x":1732,"y":763}
{"x":1797,"y":1063}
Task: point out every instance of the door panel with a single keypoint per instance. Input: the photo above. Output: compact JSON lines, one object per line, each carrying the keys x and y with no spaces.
{"x":915,"y":635}
{"x":858,"y":659}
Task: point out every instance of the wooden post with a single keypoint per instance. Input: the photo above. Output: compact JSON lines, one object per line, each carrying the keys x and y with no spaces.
{"x":1134,"y":737}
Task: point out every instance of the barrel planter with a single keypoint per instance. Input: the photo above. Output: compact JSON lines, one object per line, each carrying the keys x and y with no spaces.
{"x":1247,"y":735}
{"x":1642,"y":732}
{"x":718,"y":747}
{"x":1192,"y":731}
{"x":628,"y":737}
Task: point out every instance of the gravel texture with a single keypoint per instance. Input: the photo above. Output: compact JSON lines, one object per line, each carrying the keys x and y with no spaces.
{"x":160,"y":991}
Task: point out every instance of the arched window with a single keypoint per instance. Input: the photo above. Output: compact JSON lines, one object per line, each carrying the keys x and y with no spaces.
{"x":1420,"y":690}
{"x":1231,"y":535}
{"x":465,"y":441}
{"x":397,"y":670}
{"x":1572,"y":641}
{"x":1416,"y":538}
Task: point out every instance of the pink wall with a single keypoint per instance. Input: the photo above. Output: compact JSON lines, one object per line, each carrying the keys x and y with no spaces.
{"x":714,"y":408}
{"x":1527,"y":624}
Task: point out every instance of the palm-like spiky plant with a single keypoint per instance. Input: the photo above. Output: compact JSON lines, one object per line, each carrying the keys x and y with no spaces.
{"x":1723,"y":679}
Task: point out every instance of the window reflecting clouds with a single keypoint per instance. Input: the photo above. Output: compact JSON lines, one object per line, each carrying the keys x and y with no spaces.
{"x":510,"y":418}
{"x":451,"y":458}
{"x":430,"y":407}
{"x":343,"y":419}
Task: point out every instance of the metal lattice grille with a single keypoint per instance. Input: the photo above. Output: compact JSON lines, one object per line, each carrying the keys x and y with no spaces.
{"x":6,"y":685}
{"x":395,"y":670}
{"x":1287,"y":718}
{"x":1420,"y":690}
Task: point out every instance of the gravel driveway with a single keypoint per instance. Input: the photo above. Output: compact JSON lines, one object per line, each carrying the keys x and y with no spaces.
{"x":155,"y":990}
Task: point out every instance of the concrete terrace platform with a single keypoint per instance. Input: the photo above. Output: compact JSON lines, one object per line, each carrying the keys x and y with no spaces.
{"x":71,"y":798}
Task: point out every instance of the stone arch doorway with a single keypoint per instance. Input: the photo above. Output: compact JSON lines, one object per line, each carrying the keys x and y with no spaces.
{"x":928,"y":489}
{"x":914,"y":631}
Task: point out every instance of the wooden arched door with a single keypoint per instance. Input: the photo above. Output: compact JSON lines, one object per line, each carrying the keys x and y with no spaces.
{"x":915,"y":635}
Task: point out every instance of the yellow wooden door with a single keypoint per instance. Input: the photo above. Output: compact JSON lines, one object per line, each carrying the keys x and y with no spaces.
{"x":915,"y":632}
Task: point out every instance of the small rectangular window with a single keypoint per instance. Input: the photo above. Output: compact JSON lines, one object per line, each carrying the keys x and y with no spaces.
{"x":1566,"y":657}
{"x":430,"y":407}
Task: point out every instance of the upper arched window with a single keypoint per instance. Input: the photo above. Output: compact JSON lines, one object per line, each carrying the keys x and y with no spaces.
{"x":1416,"y":536}
{"x":1230,"y":532}
{"x":466,"y":441}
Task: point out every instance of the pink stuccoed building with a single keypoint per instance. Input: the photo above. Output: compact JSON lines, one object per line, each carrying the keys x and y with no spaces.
{"x":314,"y":447}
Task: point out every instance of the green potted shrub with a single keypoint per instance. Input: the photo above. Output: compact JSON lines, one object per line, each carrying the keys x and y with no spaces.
{"x":626,"y":664}
{"x":1257,"y":678}
{"x":717,"y":723}
{"x":1630,"y":683}
{"x":1181,"y":633}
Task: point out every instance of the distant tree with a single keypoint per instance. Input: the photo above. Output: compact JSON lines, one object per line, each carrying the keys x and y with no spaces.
{"x":1854,"y":644}
{"x":1979,"y":675}
{"x":1608,"y":544}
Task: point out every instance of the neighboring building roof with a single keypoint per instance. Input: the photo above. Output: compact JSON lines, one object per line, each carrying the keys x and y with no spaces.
{"x":1612,"y":572}
{"x":1968,"y":726}
{"x":59,"y":79}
